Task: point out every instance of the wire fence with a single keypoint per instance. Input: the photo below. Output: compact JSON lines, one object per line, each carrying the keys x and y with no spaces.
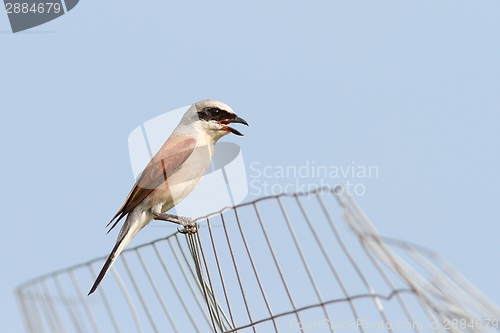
{"x":285,"y":263}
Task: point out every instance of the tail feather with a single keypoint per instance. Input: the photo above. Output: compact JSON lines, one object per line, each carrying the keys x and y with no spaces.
{"x":107,"y":265}
{"x":134,"y":223}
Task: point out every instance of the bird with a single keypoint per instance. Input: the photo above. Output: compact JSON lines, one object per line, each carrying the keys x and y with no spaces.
{"x":173,"y":172}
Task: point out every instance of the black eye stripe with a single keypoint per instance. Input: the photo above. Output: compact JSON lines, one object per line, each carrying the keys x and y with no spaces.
{"x":214,"y":113}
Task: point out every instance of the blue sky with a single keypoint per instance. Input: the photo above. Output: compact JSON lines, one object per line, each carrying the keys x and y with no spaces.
{"x":408,"y":87}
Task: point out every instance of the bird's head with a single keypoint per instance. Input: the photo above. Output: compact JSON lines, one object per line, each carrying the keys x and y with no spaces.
{"x":215,"y":117}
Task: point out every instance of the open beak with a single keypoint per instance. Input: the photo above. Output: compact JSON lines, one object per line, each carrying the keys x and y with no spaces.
{"x":232,"y":121}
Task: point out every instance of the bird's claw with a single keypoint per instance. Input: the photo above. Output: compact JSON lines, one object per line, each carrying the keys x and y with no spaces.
{"x":189,"y":229}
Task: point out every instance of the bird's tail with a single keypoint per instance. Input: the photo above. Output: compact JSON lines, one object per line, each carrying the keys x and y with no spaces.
{"x":134,"y":223}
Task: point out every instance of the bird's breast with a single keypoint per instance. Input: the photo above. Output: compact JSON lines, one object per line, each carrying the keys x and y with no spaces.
{"x":185,"y":179}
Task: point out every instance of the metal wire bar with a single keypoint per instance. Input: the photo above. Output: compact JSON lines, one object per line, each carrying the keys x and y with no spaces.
{"x":308,"y":307}
{"x":195,"y":247}
{"x":369,"y":237}
{"x":237,"y":272}
{"x":490,"y":310}
{"x":157,"y":292}
{"x":38,"y":301}
{"x":217,"y":314}
{"x":388,"y":280}
{"x":339,"y":280}
{"x":469,"y":298}
{"x":253,"y":277}
{"x":24,"y":311}
{"x":276,"y":263}
{"x":261,"y":288}
{"x":220,"y":272}
{"x":66,"y":304}
{"x":45,"y":293}
{"x":323,"y":251}
{"x":83,"y":301}
{"x":139,"y":294}
{"x":448,"y":289}
{"x":302,"y":258}
{"x":104,"y":300}
{"x":207,"y":289}
{"x":127,"y":297}
{"x":188,"y":281}
{"x":27,"y":305}
{"x":176,"y":289}
{"x":222,"y":320}
{"x":356,"y":267}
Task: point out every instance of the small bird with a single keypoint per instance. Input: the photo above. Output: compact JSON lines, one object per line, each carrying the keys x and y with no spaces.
{"x":175,"y":171}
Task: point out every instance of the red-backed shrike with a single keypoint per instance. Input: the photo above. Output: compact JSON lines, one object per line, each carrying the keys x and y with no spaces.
{"x":175,"y":170}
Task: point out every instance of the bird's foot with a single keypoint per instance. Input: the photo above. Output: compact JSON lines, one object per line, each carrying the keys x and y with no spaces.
{"x":190,"y":227}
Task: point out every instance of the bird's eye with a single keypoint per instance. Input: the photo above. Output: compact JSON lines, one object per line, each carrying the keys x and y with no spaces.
{"x":215,"y":112}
